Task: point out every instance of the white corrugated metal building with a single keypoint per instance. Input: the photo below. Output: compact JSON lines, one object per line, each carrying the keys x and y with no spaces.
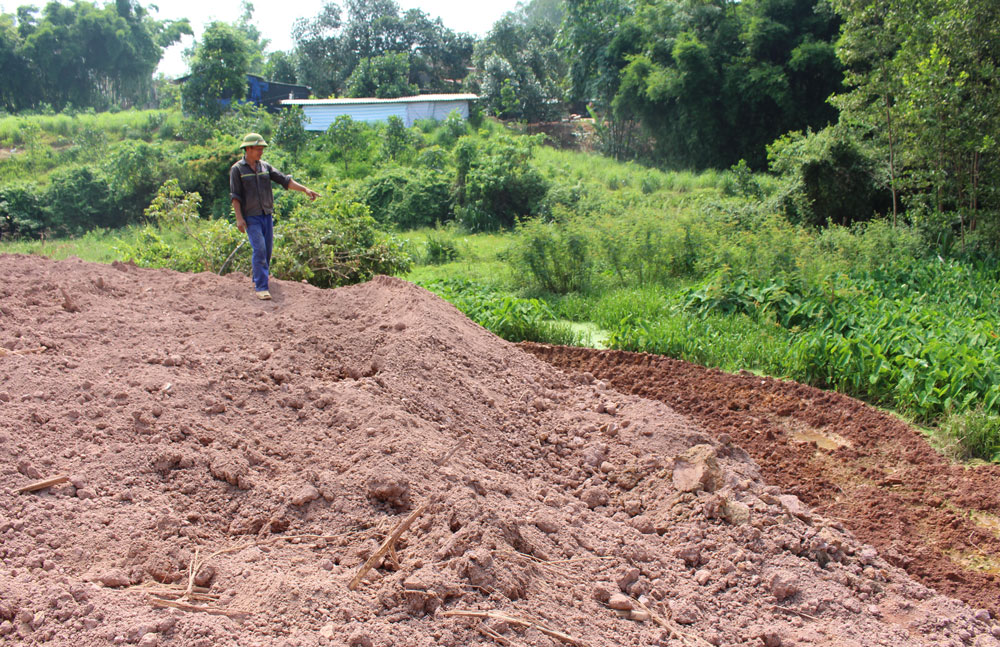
{"x":320,"y":113}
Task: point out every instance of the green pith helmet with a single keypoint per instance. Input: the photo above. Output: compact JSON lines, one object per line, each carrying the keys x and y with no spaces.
{"x":253,"y":139}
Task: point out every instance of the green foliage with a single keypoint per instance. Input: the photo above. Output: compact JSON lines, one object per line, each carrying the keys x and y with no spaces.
{"x":385,"y":77}
{"x":898,"y":335}
{"x":555,"y":258}
{"x":519,"y":69}
{"x":77,"y":199}
{"x":408,"y":198}
{"x":708,"y":83}
{"x":512,"y":318}
{"x":21,"y":212}
{"x":219,"y":65}
{"x":330,"y":243}
{"x":397,"y":141}
{"x":81,"y":55}
{"x":346,"y":140}
{"x":133,"y":169}
{"x":497,"y":184}
{"x":923,"y":89}
{"x":440,"y":248}
{"x":745,"y":183}
{"x":374,"y":40}
{"x":289,"y":131}
{"x":827,"y":179}
{"x":976,"y":434}
{"x":327,"y":242}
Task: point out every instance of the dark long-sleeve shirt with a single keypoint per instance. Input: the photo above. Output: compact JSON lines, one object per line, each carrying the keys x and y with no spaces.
{"x":253,"y":188}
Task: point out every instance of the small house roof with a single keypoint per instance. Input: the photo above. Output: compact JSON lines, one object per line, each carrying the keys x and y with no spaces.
{"x":367,"y":100}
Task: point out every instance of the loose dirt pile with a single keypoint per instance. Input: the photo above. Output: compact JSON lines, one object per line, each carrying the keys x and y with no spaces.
{"x":233,"y":464}
{"x":850,"y":462}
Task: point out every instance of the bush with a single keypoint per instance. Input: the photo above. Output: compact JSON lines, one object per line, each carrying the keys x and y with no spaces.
{"x":326,"y":243}
{"x":289,"y":132}
{"x":513,"y":318}
{"x":497,"y":182}
{"x":78,"y":199}
{"x":331,"y":243}
{"x":828,"y":179}
{"x":409,"y":198}
{"x":205,"y":170}
{"x":134,"y":169}
{"x":21,"y":212}
{"x":440,"y":248}
{"x":553,"y":257}
{"x":976,"y":434}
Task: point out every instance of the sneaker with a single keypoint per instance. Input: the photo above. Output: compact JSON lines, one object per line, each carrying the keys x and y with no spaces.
{"x":263,"y":295}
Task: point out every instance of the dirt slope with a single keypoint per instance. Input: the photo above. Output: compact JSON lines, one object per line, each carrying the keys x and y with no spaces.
{"x":276,"y":445}
{"x":873,"y":472}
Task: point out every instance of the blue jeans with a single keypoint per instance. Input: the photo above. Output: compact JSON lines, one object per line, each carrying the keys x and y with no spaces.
{"x":260,"y":231}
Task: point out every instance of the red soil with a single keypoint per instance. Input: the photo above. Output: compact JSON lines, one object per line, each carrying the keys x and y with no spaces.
{"x":275,"y":445}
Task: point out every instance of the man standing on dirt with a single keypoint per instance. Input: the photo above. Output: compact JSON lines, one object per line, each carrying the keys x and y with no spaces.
{"x":250,"y":188}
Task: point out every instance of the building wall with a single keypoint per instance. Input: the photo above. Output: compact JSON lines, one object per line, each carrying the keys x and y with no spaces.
{"x":319,"y":117}
{"x":434,"y":110}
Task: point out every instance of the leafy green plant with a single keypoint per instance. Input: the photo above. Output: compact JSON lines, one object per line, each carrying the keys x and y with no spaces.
{"x":976,"y":434}
{"x":510,"y":317}
{"x":409,"y":198}
{"x":329,"y":243}
{"x":440,"y":248}
{"x":556,"y":257}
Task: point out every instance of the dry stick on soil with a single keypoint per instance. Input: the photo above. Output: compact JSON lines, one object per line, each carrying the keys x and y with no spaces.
{"x":193,"y":592}
{"x":521,"y":622}
{"x":229,"y":259}
{"x":44,"y":483}
{"x":177,"y":604}
{"x":387,"y":545}
{"x":444,"y":459}
{"x":798,"y":613}
{"x":674,"y":629}
{"x":486,"y":631}
{"x":23,"y":351}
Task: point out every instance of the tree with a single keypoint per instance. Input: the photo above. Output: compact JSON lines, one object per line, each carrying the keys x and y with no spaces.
{"x":85,"y":55}
{"x":925,"y":90}
{"x":329,"y":50}
{"x":15,"y":85}
{"x":318,"y":53}
{"x":710,"y":81}
{"x":280,"y":67}
{"x":219,"y":65}
{"x":346,"y":140}
{"x":519,"y":69}
{"x":385,"y":77}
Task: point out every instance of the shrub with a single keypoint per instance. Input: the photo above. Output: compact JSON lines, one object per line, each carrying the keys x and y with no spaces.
{"x":78,"y":199}
{"x":976,"y":434}
{"x":828,"y":178}
{"x":289,"y":132}
{"x":553,"y":257}
{"x":440,"y":248}
{"x":331,"y":243}
{"x":21,"y":212}
{"x":409,"y":198}
{"x":134,"y":169}
{"x":500,"y":185}
{"x":510,"y":317}
{"x":327,"y":243}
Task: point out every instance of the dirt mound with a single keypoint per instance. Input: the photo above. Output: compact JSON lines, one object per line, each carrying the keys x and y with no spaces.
{"x":276,"y":445}
{"x":847,"y":460}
